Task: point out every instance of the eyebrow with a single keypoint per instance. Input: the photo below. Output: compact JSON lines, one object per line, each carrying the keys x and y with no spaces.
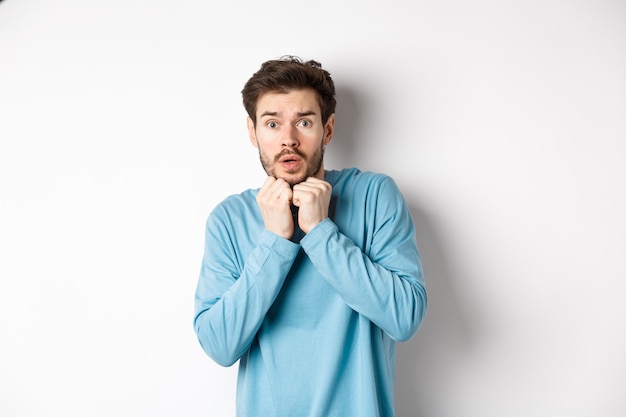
{"x":274,"y":114}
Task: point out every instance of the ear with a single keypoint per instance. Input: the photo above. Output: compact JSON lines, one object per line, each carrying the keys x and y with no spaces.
{"x":329,"y":129}
{"x":252,"y":133}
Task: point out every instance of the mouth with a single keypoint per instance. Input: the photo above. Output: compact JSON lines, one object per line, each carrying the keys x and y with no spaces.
{"x":290,"y":162}
{"x":290,"y":166}
{"x":288,"y":159}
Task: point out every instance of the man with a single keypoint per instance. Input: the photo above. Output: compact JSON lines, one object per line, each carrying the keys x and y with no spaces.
{"x":310,"y":280}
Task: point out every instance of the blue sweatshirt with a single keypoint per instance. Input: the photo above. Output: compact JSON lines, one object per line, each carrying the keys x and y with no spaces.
{"x":313,"y":320}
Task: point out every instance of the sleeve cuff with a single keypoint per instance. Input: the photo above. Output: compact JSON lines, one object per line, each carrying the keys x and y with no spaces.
{"x":277,"y":243}
{"x":319,"y":233}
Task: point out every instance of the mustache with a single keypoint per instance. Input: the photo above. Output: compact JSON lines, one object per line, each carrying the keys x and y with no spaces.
{"x":289,"y":152}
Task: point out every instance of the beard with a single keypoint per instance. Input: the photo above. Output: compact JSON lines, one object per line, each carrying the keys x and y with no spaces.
{"x":313,"y":165}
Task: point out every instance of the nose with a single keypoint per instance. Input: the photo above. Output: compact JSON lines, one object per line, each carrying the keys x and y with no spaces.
{"x":289,"y":136}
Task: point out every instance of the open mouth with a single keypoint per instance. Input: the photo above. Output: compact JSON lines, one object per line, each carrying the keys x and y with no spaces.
{"x":290,"y":162}
{"x":289,"y":158}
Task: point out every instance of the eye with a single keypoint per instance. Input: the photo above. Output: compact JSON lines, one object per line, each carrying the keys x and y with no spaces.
{"x":304,"y":123}
{"x":272,"y":124}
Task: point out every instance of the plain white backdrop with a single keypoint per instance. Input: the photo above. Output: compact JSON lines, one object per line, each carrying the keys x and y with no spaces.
{"x":503,"y":122}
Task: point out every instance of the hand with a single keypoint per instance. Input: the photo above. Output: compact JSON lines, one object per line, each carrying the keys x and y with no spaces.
{"x":274,"y":200}
{"x":313,"y":198}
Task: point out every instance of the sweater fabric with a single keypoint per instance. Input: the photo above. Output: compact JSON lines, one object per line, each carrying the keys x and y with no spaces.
{"x":313,"y":320}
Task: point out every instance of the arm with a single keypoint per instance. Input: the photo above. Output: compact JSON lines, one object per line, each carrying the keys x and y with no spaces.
{"x":384,"y":282}
{"x":234,"y":295}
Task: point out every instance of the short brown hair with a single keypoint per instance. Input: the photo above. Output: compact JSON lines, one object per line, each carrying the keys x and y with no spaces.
{"x":290,"y":73}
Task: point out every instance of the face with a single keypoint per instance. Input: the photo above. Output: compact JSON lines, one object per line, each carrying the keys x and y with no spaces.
{"x":290,"y":136}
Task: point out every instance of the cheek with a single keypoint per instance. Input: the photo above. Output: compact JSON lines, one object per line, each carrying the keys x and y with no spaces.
{"x":265,"y":145}
{"x":266,"y":140}
{"x":266,"y":152}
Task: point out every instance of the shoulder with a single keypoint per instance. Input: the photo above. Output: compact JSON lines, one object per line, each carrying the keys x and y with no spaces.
{"x":241,"y":199}
{"x":362,"y":181}
{"x":236,"y":205}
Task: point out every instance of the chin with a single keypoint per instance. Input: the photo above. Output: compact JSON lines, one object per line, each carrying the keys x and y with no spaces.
{"x":293,"y":179}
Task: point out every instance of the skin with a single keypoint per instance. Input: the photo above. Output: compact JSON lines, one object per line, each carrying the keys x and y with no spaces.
{"x":291,"y":137}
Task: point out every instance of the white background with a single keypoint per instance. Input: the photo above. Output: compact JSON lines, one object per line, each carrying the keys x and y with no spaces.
{"x":503,"y":122}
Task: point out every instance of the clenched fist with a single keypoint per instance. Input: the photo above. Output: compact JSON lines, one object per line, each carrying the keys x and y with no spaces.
{"x":312,"y":197}
{"x":274,"y":200}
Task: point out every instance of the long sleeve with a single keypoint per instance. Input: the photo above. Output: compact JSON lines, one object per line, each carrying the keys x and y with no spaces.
{"x":384,"y":280}
{"x":233,"y":294}
{"x":328,"y":309}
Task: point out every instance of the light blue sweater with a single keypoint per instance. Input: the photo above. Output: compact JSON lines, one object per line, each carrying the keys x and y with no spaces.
{"x":313,"y":320}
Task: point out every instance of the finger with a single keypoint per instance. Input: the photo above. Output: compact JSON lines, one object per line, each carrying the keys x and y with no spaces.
{"x":275,"y":193}
{"x":266,"y":186}
{"x":307,"y":191}
{"x":304,"y":195}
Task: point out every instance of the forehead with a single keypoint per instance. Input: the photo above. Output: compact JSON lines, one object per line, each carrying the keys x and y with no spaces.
{"x":293,"y":101}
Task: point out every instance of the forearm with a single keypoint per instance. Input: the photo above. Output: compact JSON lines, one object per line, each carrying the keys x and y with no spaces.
{"x":230,"y":308}
{"x":389,"y":290}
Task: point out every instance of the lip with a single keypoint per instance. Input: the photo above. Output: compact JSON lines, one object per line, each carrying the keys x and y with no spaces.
{"x":290,"y":159}
{"x":290,"y":165}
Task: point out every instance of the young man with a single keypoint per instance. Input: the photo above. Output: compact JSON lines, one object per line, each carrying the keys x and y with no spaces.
{"x":310,"y":280}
